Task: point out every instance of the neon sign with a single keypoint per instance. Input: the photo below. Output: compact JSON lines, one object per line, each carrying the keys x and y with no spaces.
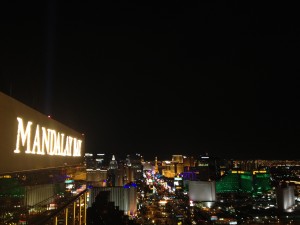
{"x":43,"y":141}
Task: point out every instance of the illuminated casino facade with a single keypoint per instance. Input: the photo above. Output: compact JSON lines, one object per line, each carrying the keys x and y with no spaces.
{"x":255,"y":182}
{"x":202,"y":191}
{"x":30,"y":140}
{"x":39,"y":159}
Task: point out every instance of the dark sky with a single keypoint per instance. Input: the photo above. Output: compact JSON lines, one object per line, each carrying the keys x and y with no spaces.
{"x":176,"y":77}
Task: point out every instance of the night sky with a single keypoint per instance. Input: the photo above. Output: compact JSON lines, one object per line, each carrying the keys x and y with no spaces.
{"x":173,"y":77}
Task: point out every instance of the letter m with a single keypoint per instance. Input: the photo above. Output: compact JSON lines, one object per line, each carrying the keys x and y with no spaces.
{"x":23,"y":135}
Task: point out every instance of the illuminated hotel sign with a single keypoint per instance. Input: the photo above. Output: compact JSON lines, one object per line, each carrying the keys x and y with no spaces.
{"x":44,"y":141}
{"x":237,"y":171}
{"x":259,"y":171}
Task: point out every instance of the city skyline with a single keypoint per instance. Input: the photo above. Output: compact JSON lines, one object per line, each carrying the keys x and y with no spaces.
{"x":186,"y":78}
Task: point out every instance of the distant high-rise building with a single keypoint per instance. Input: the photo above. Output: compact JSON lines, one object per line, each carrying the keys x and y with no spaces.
{"x":113,"y":164}
{"x":127,"y":161}
{"x":89,"y":161}
{"x":177,"y":158}
{"x":116,"y":174}
{"x":168,"y":169}
{"x":100,"y":159}
{"x":261,"y":181}
{"x":256,"y":182}
{"x":137,"y":168}
{"x":147,"y":166}
{"x":202,"y":191}
{"x":206,"y":168}
{"x":188,"y":161}
{"x":285,"y":197}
